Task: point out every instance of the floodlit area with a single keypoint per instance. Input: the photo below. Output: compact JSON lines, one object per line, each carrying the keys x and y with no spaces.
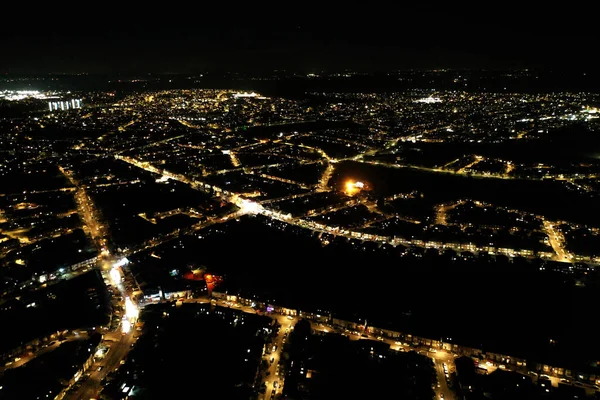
{"x":131,"y":315}
{"x":131,"y":310}
{"x":250,"y":207}
{"x":115,"y":275}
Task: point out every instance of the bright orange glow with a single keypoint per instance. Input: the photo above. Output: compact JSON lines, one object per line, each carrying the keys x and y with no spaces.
{"x":352,"y":188}
{"x":212,"y":281}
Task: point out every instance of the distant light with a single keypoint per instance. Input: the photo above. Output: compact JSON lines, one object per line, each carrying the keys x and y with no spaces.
{"x":429,"y":100}
{"x":16,"y":95}
{"x":236,"y":95}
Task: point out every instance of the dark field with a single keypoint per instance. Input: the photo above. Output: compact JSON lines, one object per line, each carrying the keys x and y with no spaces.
{"x":432,"y":295}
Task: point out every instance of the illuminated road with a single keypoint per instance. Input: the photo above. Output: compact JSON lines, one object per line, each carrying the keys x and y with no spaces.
{"x":557,"y":241}
{"x":119,"y":343}
{"x":122,"y":128}
{"x":439,"y":360}
{"x":464,"y":170}
{"x":89,"y":215}
{"x":259,"y":208}
{"x":45,"y":349}
{"x":275,"y":375}
{"x":65,"y":189}
{"x":439,"y":357}
{"x":441,"y":215}
{"x":92,"y":226}
{"x":289,"y":181}
{"x":324,"y":180}
{"x":444,"y":171}
{"x":187,"y":124}
{"x":331,"y":209}
{"x":278,"y":199}
{"x":235,"y":161}
{"x":286,"y":325}
{"x":159,"y":142}
{"x":91,"y":387}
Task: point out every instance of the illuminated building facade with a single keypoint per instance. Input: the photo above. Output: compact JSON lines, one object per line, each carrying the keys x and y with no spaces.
{"x":64,"y":105}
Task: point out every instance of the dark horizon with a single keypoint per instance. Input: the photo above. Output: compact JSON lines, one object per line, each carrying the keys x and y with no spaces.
{"x":175,"y":41}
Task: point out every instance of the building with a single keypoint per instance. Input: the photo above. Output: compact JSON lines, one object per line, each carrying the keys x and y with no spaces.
{"x":64,"y":105}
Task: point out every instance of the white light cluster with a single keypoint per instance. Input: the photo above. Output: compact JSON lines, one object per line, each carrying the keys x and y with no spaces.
{"x":115,"y":275}
{"x":122,"y":262}
{"x":125,"y":326}
{"x":236,"y":95}
{"x":249,"y":206}
{"x":64,"y":105}
{"x":131,"y":310}
{"x":16,"y":95}
{"x":429,"y":100}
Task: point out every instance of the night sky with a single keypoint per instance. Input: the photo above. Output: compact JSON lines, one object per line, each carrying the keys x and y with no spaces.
{"x":293,"y":35}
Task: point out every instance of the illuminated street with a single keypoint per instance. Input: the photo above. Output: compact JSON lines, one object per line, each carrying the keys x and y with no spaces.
{"x":87,"y":212}
{"x":557,"y":241}
{"x":53,"y":345}
{"x":274,"y":376}
{"x":119,"y":342}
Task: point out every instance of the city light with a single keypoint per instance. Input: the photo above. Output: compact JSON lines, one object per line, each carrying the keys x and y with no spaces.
{"x":206,"y":158}
{"x":115,"y":275}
